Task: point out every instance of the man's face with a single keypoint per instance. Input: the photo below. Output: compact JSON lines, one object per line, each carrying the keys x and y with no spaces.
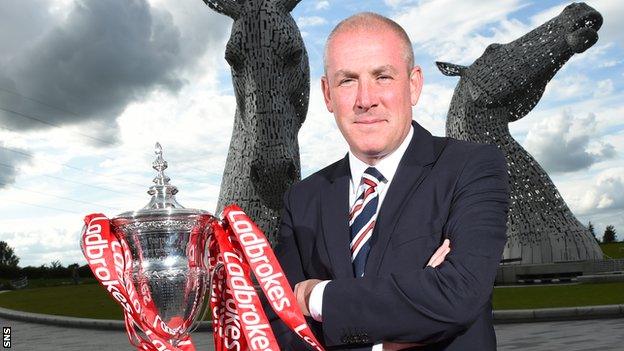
{"x":370,"y":90}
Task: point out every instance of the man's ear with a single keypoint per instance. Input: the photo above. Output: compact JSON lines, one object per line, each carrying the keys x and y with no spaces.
{"x":326,"y":93}
{"x":416,"y":83}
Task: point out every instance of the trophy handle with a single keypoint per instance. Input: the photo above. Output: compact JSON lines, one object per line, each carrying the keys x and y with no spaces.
{"x":206,"y":306}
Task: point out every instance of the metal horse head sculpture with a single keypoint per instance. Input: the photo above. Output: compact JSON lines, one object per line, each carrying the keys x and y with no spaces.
{"x":502,"y":86}
{"x":271,"y":78}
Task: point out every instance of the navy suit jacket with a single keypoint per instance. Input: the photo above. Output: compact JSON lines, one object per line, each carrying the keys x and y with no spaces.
{"x":443,"y":188}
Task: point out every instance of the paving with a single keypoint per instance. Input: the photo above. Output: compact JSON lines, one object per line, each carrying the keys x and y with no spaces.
{"x":41,"y":337}
{"x":601,"y":334}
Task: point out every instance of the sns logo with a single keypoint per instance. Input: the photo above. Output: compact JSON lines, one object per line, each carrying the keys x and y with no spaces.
{"x":6,"y":337}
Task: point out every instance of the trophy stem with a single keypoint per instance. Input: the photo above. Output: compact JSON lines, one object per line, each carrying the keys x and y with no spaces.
{"x":206,"y":306}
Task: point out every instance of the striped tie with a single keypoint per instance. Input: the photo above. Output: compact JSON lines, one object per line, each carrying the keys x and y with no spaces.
{"x":362,"y":218}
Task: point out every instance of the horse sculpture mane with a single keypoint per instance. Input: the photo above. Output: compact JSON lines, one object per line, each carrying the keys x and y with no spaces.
{"x":502,"y":86}
{"x":271,"y":78}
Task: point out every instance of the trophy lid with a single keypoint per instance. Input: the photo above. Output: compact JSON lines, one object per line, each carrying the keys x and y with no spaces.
{"x":163,"y":201}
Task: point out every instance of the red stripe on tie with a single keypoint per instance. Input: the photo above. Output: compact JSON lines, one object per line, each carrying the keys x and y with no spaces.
{"x":359,"y":206}
{"x":370,"y":226}
{"x":369,"y":182}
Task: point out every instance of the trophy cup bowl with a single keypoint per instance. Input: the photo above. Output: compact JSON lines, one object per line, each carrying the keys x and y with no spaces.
{"x":168,"y":266}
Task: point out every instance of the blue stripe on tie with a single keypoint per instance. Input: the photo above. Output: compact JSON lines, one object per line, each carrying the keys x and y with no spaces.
{"x":359,"y":263}
{"x":375,"y":173}
{"x":367,"y":212}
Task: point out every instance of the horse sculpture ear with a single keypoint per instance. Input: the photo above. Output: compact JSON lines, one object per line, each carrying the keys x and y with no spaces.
{"x":230,"y":8}
{"x":451,"y":69}
{"x":289,"y":5}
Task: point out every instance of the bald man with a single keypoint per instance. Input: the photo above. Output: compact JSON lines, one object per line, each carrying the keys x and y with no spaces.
{"x":365,"y":241}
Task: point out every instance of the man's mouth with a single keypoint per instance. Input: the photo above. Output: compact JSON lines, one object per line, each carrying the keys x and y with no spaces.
{"x":369,"y":120}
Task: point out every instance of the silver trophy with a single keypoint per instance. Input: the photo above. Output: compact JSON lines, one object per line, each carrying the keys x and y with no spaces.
{"x":170,"y":266}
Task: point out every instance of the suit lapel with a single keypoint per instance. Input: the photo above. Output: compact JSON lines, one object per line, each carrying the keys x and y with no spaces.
{"x":413,"y":169}
{"x":334,"y":215}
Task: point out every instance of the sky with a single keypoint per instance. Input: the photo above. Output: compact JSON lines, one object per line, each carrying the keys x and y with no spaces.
{"x":87,"y":87}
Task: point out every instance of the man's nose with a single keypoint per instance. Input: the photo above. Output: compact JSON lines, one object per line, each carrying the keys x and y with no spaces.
{"x":366,"y":97}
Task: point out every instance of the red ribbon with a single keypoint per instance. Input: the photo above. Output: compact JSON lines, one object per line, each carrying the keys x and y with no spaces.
{"x":238,"y":319}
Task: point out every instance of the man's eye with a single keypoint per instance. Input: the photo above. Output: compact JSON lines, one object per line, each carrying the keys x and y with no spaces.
{"x":383,"y":77}
{"x":346,"y":81}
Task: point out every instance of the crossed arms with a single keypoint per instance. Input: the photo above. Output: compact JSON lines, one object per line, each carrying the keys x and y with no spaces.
{"x":435,"y":303}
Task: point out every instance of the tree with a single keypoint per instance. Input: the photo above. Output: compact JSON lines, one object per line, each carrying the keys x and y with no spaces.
{"x":609,"y":234}
{"x":590,"y":227}
{"x":7,"y":256}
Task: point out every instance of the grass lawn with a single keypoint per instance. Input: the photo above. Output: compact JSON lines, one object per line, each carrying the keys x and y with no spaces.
{"x":558,"y":296}
{"x":92,"y":301}
{"x":613,"y":250}
{"x":85,"y":300}
{"x":45,"y":282}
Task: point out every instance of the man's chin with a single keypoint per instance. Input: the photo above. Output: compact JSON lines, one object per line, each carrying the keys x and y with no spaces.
{"x":370,"y":154}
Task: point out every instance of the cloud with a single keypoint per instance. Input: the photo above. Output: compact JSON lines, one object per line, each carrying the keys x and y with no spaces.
{"x":320,"y":141}
{"x":610,"y":63}
{"x":565,"y":143}
{"x":454,"y":35}
{"x":460,"y":35}
{"x":432,"y":107}
{"x":48,"y":239}
{"x":310,"y":21}
{"x":397,"y":3}
{"x":598,"y":195}
{"x":22,"y":22}
{"x":577,"y":86}
{"x":322,"y":5}
{"x":10,"y":160}
{"x":89,"y":65}
{"x":604,"y":88}
{"x":568,"y":86}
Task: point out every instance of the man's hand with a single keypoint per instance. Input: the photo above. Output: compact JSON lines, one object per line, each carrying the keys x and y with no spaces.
{"x":440,"y":254}
{"x":302,"y":293}
{"x":435,"y":260}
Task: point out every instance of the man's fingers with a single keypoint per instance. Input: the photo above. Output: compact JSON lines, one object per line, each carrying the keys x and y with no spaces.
{"x":302,"y":293}
{"x":441,"y":258}
{"x":300,"y":296}
{"x":440,"y":254}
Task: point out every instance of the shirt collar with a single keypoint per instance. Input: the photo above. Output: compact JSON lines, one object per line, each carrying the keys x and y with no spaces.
{"x":387,"y":166}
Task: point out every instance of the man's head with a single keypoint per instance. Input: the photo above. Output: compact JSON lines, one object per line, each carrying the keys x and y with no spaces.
{"x":371,"y":84}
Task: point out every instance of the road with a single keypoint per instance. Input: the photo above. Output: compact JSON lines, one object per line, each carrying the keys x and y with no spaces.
{"x":603,"y":334}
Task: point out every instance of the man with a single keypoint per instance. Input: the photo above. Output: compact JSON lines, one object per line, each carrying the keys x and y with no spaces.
{"x":361,"y":239}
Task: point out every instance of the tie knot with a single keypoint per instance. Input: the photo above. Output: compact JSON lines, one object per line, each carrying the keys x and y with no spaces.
{"x":372,"y":174}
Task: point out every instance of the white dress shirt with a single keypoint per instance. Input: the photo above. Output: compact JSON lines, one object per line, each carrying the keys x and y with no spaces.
{"x":387,"y":167}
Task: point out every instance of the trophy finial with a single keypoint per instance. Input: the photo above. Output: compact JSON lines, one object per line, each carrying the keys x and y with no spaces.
{"x":162,"y":192}
{"x":160,"y":165}
{"x":158,"y":149}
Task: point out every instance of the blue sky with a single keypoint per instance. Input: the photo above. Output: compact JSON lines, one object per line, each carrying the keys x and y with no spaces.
{"x":87,"y":88}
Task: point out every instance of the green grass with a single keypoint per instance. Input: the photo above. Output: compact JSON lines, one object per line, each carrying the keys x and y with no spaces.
{"x":558,"y":296}
{"x":613,"y":250}
{"x":92,"y":301}
{"x":88,"y":300}
{"x":47,"y":282}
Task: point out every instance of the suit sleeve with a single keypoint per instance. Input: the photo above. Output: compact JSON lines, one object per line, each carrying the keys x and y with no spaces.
{"x":431,"y":304}
{"x":287,"y":253}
